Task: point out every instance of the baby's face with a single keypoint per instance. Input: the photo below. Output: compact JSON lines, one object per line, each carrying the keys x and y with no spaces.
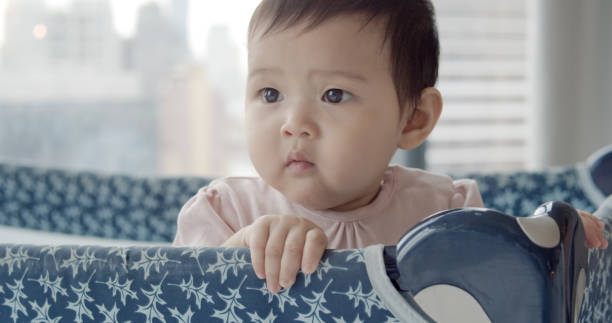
{"x":322,"y":114}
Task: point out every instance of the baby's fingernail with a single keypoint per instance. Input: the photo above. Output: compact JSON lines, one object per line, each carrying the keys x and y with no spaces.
{"x":591,"y":244}
{"x":286,"y":283}
{"x":307,"y":270}
{"x":273,"y":289}
{"x":600,"y":224}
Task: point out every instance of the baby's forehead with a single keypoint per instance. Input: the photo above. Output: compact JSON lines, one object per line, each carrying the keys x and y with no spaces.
{"x":262,"y":25}
{"x":342,"y":37}
{"x":338,"y":52}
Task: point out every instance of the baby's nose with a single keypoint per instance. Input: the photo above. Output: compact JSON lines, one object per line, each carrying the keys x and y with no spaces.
{"x":301,"y":124}
{"x":301,"y":131}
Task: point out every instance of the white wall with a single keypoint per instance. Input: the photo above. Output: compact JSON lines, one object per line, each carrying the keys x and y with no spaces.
{"x":572,"y":80}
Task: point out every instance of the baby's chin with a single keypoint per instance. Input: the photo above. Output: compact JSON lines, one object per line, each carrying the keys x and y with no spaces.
{"x":310,"y":193}
{"x":310,"y":202}
{"x":312,"y":199}
{"x":324,"y":202}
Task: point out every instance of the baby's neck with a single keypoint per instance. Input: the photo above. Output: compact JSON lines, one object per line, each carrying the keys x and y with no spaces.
{"x":360,"y":201}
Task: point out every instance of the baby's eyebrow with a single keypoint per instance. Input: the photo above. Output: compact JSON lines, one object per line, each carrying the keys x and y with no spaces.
{"x":341,"y":73}
{"x":264,"y":70}
{"x":315,"y":72}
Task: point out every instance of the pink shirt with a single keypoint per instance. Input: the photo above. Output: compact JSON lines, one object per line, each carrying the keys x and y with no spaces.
{"x":407,"y":196}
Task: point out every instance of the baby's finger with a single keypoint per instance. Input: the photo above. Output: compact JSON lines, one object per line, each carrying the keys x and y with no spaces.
{"x":602,"y":234}
{"x":274,"y":252}
{"x":292,"y":257}
{"x":595,"y":219}
{"x":315,"y":245}
{"x":257,"y":241}
{"x":592,"y":232}
{"x":600,"y":227}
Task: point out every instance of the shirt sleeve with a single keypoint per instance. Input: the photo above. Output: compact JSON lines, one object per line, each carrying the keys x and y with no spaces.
{"x":203,"y":220}
{"x":467,"y":194}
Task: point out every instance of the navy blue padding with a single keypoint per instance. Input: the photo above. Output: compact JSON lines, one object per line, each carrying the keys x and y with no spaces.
{"x":600,"y":166}
{"x":488,"y":255}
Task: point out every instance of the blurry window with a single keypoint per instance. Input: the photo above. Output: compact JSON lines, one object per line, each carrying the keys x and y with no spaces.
{"x":156,"y":87}
{"x":484,"y":85}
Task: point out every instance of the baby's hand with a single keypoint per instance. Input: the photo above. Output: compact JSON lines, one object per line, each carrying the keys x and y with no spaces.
{"x":280,"y":245}
{"x":593,"y":228}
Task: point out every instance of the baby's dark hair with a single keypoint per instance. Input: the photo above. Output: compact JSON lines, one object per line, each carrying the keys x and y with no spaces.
{"x":410,"y":26}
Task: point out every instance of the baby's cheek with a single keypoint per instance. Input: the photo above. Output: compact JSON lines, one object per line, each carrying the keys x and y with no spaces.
{"x":353,"y":178}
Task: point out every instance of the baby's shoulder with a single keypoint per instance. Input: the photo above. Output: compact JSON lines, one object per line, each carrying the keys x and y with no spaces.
{"x":420,"y":183}
{"x":418,"y":177}
{"x":236,"y":185}
{"x":248,"y":196}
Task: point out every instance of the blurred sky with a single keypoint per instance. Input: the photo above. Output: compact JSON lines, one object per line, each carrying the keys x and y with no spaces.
{"x":203,"y":15}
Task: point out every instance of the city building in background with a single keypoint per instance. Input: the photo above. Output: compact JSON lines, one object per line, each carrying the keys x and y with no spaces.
{"x":74,"y":94}
{"x":54,"y":56}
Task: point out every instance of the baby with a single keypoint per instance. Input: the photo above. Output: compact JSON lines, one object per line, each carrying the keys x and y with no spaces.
{"x":334,"y":89}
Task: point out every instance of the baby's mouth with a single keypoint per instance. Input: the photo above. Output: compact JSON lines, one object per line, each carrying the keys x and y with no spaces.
{"x":297,"y":163}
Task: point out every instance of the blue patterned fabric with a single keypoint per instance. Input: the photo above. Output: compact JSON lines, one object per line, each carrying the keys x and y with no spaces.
{"x":520,"y":193}
{"x":164,"y":284}
{"x":96,"y":284}
{"x":145,"y":209}
{"x":597,"y":306}
{"x":83,"y":203}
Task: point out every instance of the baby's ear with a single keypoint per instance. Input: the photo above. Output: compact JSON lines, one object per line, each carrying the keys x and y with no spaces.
{"x":419,"y":123}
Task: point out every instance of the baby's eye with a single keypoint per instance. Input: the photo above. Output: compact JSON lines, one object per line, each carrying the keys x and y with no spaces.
{"x":270,"y":95}
{"x":336,"y":96}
